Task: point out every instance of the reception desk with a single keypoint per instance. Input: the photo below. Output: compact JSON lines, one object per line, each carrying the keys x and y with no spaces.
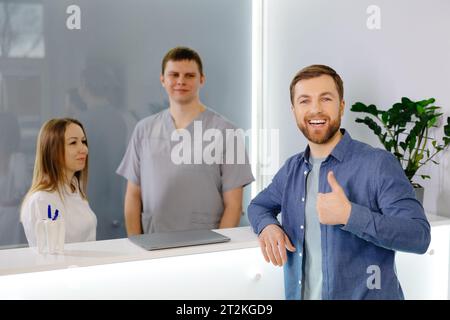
{"x":118,"y":269}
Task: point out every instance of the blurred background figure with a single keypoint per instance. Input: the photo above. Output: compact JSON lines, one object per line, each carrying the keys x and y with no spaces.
{"x":98,"y":104}
{"x":74,"y":103}
{"x":13,"y":181}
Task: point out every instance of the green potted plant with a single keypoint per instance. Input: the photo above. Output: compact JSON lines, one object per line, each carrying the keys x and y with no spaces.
{"x":404,"y":130}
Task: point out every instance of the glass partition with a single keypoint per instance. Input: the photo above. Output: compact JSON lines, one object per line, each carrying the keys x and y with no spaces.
{"x":100,"y":61}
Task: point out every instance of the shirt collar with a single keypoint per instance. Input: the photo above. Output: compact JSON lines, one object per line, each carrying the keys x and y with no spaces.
{"x":339,"y":150}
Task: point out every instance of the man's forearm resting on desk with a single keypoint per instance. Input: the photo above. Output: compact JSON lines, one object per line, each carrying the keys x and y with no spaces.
{"x":133,"y":209}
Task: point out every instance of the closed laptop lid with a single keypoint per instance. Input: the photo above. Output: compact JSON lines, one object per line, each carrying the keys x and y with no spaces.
{"x":175,"y":239}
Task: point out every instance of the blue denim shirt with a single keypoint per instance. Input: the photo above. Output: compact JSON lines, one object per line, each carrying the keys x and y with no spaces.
{"x":358,"y":259}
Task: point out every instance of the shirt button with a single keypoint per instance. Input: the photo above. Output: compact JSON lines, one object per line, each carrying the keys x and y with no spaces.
{"x":306,"y":172}
{"x":301,"y":227}
{"x":300,"y":282}
{"x":300,"y":254}
{"x":303,"y":199}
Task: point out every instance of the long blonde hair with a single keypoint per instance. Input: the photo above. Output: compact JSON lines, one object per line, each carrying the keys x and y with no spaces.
{"x":49,"y":166}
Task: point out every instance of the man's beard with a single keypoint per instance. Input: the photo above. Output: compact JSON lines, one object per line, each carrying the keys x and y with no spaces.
{"x":333,"y":127}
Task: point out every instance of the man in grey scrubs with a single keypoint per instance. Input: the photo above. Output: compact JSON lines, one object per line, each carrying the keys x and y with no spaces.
{"x":172,"y":185}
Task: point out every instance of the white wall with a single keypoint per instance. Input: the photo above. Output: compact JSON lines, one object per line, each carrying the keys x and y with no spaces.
{"x":409,"y":56}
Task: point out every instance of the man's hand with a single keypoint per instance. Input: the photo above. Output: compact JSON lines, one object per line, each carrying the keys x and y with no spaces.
{"x":334,"y":207}
{"x":274,"y":242}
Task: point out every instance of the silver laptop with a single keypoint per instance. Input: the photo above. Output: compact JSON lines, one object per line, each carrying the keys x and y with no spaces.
{"x":175,"y":239}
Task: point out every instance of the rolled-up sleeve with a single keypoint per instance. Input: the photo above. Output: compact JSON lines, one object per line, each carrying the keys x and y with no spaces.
{"x":265,"y":207}
{"x":129,"y":168}
{"x":236,"y":170}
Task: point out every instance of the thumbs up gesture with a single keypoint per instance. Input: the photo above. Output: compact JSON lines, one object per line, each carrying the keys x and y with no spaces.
{"x":333,"y":207}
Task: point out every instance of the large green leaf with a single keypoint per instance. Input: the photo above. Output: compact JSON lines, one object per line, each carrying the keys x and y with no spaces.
{"x":361,"y":107}
{"x":424,"y":103}
{"x":371,"y":124}
{"x":358,"y":107}
{"x":432,"y":109}
{"x":406,"y":100}
{"x":432,"y":122}
{"x":420,"y":109}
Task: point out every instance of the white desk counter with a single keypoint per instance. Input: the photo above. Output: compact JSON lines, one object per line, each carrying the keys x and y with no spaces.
{"x":118,"y":269}
{"x":85,"y":254}
{"x":427,"y":276}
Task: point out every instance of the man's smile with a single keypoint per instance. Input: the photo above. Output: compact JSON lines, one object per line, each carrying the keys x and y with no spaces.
{"x":317,"y":123}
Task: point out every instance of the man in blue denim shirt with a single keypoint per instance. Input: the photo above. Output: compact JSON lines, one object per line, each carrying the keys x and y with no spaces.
{"x":357,"y":212}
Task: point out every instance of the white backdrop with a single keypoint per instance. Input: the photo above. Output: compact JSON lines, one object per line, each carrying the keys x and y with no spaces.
{"x":408,"y":56}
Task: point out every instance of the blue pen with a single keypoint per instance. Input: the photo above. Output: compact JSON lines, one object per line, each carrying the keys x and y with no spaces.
{"x":56,"y":214}
{"x":49,"y":213}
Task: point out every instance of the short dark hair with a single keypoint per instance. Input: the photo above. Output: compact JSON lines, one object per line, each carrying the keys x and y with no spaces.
{"x":182,"y":53}
{"x":102,"y":79}
{"x":314,"y":71}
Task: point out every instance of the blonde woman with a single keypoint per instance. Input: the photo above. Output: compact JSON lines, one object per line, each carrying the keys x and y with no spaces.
{"x":59,"y":182}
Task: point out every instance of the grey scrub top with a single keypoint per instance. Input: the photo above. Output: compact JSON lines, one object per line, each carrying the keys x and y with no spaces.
{"x":180,"y":196}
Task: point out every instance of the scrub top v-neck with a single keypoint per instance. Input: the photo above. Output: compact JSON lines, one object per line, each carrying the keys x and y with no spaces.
{"x":179,"y":196}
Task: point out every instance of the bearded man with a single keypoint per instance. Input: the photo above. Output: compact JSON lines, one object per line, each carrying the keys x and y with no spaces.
{"x":346,"y":207}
